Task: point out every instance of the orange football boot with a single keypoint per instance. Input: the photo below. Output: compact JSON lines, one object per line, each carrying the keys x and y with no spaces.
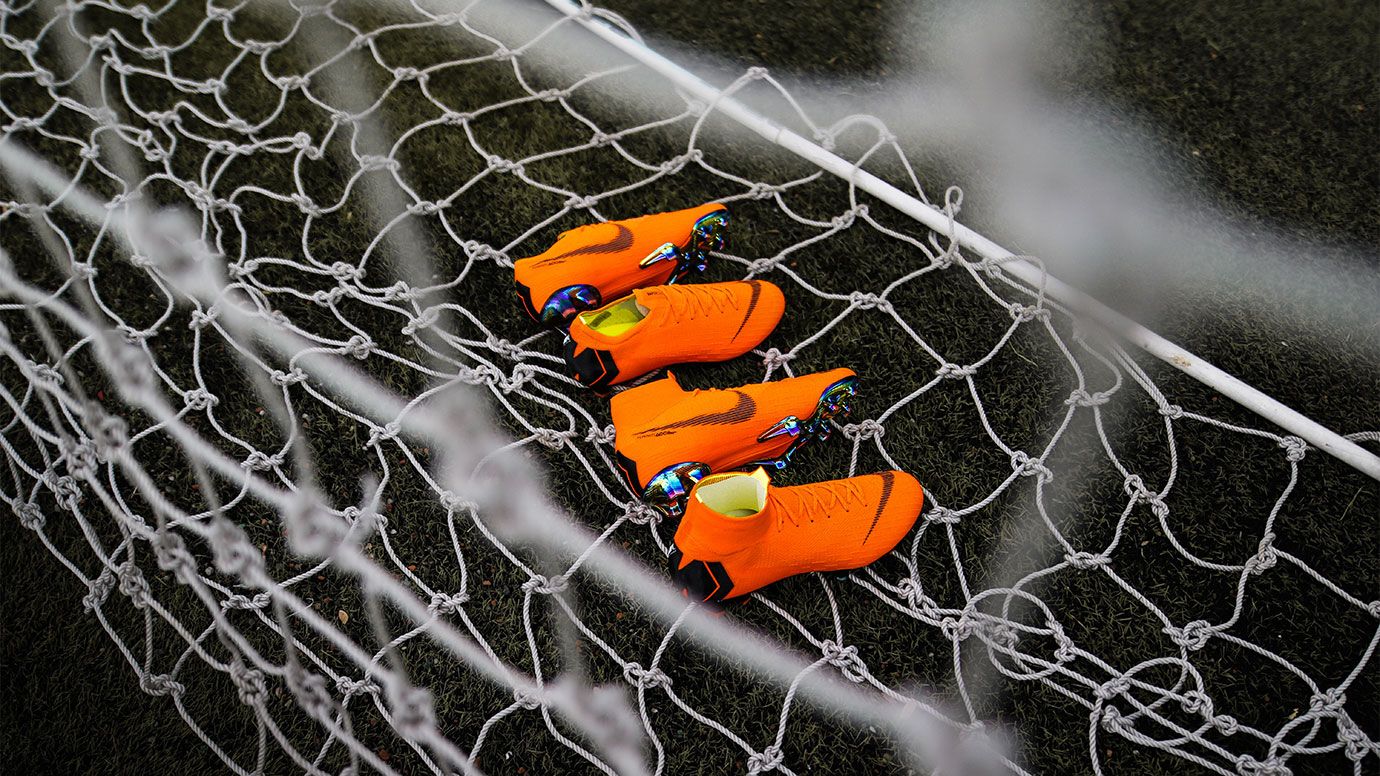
{"x":739,"y":533}
{"x":657,"y":327}
{"x":669,"y":438}
{"x":596,"y":262}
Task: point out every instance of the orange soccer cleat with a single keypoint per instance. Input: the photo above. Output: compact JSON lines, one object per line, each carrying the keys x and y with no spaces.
{"x":596,"y":262}
{"x":739,"y":533}
{"x":668,"y":438}
{"x":665,"y":325}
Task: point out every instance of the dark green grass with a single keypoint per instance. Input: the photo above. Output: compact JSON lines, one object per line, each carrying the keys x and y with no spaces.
{"x":74,"y":707}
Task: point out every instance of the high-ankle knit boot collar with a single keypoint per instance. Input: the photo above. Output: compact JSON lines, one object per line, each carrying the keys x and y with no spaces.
{"x":705,"y":531}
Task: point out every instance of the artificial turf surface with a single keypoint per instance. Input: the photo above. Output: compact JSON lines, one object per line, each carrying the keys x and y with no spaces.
{"x":1267,"y":106}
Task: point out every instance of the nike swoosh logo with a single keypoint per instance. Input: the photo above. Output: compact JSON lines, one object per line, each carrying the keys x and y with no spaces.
{"x":752,"y":305}
{"x":888,"y":480}
{"x":620,"y":242}
{"x":743,"y":409}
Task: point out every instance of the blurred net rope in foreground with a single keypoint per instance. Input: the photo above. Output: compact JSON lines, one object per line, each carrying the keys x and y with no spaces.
{"x":296,"y":299}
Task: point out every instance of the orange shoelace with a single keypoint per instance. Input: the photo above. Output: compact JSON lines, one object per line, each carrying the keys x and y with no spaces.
{"x":690,"y":302}
{"x":822,"y":498}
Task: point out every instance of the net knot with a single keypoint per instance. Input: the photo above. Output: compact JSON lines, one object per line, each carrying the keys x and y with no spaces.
{"x":768,"y":759}
{"x":762,"y":190}
{"x":199,"y":399}
{"x":259,"y":461}
{"x":327,"y":297}
{"x":1373,"y":608}
{"x":1225,"y":724}
{"x":442,"y":603}
{"x":956,"y":629}
{"x":399,"y":291}
{"x":775,"y":359}
{"x":408,"y":74}
{"x":601,"y":436}
{"x":499,"y":164}
{"x":22,"y":123}
{"x":85,"y":271}
{"x":1082,"y":398}
{"x":1113,"y":722}
{"x":761,"y":266}
{"x":1134,"y":487}
{"x":309,"y":690}
{"x":868,"y":429}
{"x":952,"y":371}
{"x":453,"y":118}
{"x":239,"y":269}
{"x":521,"y":374}
{"x":1330,"y":701}
{"x":359,"y":346}
{"x":1025,"y":313}
{"x":249,"y":683}
{"x":292,"y":376}
{"x":755,"y":73}
{"x":349,"y":688}
{"x":1294,"y":448}
{"x":1193,"y":635}
{"x":1270,"y":766}
{"x":645,"y":678}
{"x":1265,"y":557}
{"x":943,"y":516}
{"x":577,"y":202}
{"x":1111,"y":688}
{"x":171,"y":553}
{"x":344,"y":271}
{"x":30,"y":516}
{"x":1067,"y":651}
{"x":1172,"y":411}
{"x":425,"y":320}
{"x":1024,"y":465}
{"x":553,"y":439}
{"x":526,"y":700}
{"x":545,"y":586}
{"x":160,"y":684}
{"x":869,"y":301}
{"x":387,"y":432}
{"x":844,"y":658}
{"x":242,"y":601}
{"x":1351,"y":736}
{"x":425,"y":207}
{"x":675,"y":164}
{"x":43,"y":374}
{"x":90,"y":152}
{"x":503,"y":347}
{"x":98,"y":590}
{"x":1087,"y":560}
{"x":216,"y":13}
{"x":845,"y":219}
{"x":452,"y":502}
{"x":1196,"y":702}
{"x":65,"y":490}
{"x":133,"y":585}
{"x":232,"y":551}
{"x":640,"y":514}
{"x":259,"y":47}
{"x":80,"y":459}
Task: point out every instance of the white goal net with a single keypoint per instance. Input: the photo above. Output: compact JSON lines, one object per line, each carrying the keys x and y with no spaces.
{"x":268,"y":397}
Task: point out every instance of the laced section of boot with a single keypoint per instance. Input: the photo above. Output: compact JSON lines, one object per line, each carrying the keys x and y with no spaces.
{"x":690,"y":302}
{"x":821,"y":499}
